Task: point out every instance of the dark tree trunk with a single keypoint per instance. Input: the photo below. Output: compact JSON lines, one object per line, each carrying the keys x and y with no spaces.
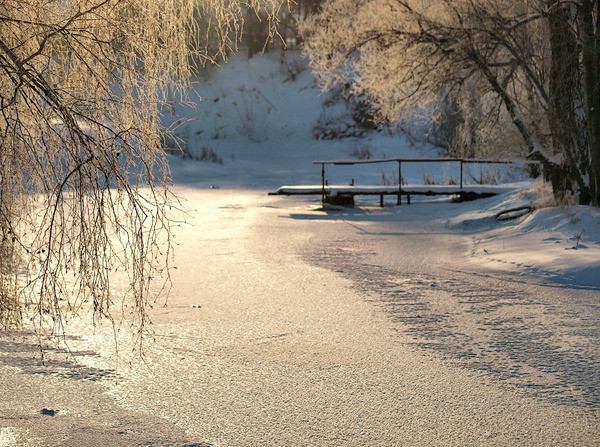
{"x":590,"y":41}
{"x":568,"y":130}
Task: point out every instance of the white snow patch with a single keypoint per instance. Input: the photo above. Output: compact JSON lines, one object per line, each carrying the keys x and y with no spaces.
{"x":8,"y":437}
{"x":562,"y":244}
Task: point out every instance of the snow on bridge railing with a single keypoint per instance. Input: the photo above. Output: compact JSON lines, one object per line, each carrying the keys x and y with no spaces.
{"x":518,"y":162}
{"x":327,"y":191}
{"x":462,"y":161}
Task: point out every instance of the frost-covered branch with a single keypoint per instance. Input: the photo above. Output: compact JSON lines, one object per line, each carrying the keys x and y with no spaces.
{"x":84,"y":183}
{"x":456,"y":61}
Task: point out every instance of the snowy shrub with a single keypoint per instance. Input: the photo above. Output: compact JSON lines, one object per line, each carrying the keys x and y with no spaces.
{"x":245,"y":111}
{"x":182,"y":149}
{"x":209,"y":154}
{"x":428,"y":179}
{"x":390,"y":180}
{"x":362,"y":152}
{"x":338,"y":124}
{"x":344,"y":116}
{"x":485,"y":177}
{"x":292,"y":64}
{"x":362,"y":113}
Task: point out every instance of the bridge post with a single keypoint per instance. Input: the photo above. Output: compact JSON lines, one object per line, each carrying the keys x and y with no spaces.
{"x":399,"y":183}
{"x":322,"y":183}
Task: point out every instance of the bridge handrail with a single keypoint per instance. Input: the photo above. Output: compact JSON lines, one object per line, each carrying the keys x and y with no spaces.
{"x":423,"y":160}
{"x":462,"y":161}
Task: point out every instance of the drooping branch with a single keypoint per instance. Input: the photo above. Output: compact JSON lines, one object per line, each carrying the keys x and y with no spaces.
{"x":84,"y":183}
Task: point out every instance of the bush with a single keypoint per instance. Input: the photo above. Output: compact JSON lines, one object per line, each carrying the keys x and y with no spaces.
{"x":360,"y":152}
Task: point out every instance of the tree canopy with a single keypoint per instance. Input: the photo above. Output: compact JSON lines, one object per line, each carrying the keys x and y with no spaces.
{"x":520,"y":77}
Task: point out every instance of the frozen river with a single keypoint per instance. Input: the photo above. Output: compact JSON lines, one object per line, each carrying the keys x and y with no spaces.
{"x":288,"y":325}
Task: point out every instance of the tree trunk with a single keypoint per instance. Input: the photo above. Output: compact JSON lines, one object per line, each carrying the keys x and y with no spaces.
{"x":590,"y":41}
{"x":568,"y":131}
{"x":9,"y":306}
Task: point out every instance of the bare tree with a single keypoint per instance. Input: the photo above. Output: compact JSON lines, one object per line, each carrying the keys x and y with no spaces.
{"x":83,"y":178}
{"x":507,"y":64}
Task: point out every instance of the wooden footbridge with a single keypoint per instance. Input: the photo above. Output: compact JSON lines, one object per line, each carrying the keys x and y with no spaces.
{"x":344,"y":194}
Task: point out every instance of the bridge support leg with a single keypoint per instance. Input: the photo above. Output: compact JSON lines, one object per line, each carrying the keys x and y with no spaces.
{"x":381,"y":200}
{"x":399,"y":182}
{"x":322,"y":183}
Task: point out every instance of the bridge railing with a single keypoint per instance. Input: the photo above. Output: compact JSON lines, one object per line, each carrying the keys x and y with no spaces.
{"x":400,"y":161}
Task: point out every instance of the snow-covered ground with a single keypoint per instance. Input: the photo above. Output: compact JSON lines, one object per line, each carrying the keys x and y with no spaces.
{"x":258,"y":117}
{"x":289,"y":324}
{"x":259,"y":123}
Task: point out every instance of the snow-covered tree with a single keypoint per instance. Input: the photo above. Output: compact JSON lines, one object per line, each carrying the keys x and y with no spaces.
{"x":511,"y":70}
{"x":83,"y":179}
